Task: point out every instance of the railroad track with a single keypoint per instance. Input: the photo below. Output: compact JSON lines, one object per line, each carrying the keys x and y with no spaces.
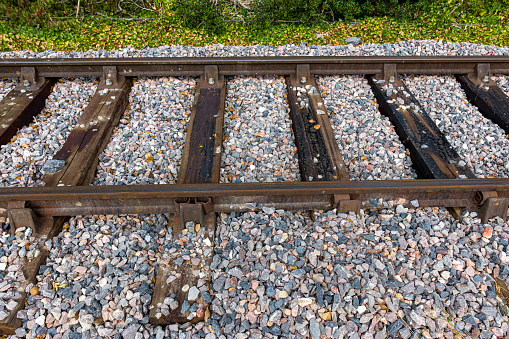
{"x":444,"y":179}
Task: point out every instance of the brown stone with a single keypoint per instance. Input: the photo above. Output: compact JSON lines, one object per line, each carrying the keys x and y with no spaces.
{"x":488,"y":232}
{"x":327,"y":316}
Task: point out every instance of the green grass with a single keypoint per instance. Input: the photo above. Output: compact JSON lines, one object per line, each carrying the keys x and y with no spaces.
{"x":107,"y":34}
{"x":471,"y":21}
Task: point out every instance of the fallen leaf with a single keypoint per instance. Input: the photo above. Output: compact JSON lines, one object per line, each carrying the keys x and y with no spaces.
{"x":502,"y":289}
{"x":148,"y":157}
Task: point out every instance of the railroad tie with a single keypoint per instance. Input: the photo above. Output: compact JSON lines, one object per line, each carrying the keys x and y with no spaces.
{"x":179,"y":290}
{"x":78,"y":158}
{"x":431,"y":153}
{"x":21,"y":105}
{"x":492,"y":102}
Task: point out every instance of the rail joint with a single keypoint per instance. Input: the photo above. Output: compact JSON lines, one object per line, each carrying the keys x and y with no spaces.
{"x":211,"y":77}
{"x":302,"y":73}
{"x":493,"y":207}
{"x":30,"y":80}
{"x":111,"y":78}
{"x":481,"y":75}
{"x":345,"y":204}
{"x":192,"y":209}
{"x":21,"y":215}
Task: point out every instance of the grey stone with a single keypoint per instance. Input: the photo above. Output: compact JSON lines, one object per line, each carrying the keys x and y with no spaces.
{"x":275,"y":316}
{"x":469,"y":319}
{"x":489,"y":310}
{"x":193,"y":293}
{"x":219,"y":283}
{"x":394,"y":328}
{"x":52,"y":165}
{"x":353,"y":40}
{"x":417,"y":318}
{"x":314,"y":329}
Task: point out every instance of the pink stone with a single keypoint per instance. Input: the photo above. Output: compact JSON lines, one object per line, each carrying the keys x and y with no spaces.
{"x":497,"y":331}
{"x":81,"y":269}
{"x":132,"y":302}
{"x":488,"y":232}
{"x":63,"y":318}
{"x":391,"y":317}
{"x":253,"y":318}
{"x":470,"y":271}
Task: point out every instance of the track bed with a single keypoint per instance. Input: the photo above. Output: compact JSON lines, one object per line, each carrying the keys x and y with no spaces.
{"x":245,"y":197}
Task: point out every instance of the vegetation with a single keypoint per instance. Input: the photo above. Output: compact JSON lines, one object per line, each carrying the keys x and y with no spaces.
{"x":112,"y":24}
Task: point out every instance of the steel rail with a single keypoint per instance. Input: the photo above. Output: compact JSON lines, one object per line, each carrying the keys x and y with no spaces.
{"x":285,"y":65}
{"x":86,"y":200}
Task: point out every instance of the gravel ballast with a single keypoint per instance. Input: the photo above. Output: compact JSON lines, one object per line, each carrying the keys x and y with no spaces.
{"x":481,"y":143}
{"x":402,"y":48}
{"x":147,"y":145}
{"x":367,"y":140}
{"x":23,"y":158}
{"x":98,"y":278}
{"x":503,"y":83}
{"x":259,"y":144}
{"x":282,"y":273}
{"x":15,"y":250}
{"x":6,"y":85}
{"x":276,"y":273}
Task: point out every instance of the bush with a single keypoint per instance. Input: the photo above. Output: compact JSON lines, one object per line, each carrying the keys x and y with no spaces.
{"x":42,"y":11}
{"x":314,"y":11}
{"x":203,"y":14}
{"x":213,"y":15}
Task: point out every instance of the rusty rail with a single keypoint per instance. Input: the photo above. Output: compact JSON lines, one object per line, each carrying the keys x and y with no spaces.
{"x":81,"y":200}
{"x":131,"y":67}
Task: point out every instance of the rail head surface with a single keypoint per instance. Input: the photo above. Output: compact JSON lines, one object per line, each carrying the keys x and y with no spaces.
{"x":104,"y":192}
{"x":316,"y":195}
{"x":284,"y":65}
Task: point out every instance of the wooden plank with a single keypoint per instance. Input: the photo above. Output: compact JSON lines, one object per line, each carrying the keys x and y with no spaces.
{"x":30,"y":270}
{"x":20,"y":106}
{"x":80,"y":152}
{"x":17,"y":109}
{"x":201,"y":163}
{"x":201,"y":160}
{"x":90,"y":136}
{"x":431,"y":153}
{"x":186,"y":276}
{"x":319,"y":155}
{"x":492,"y":102}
